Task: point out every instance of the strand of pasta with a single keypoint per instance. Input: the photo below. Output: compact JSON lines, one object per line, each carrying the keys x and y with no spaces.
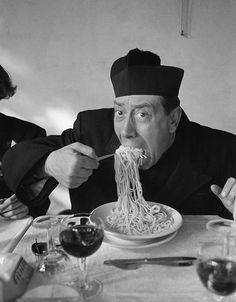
{"x":132,"y":214}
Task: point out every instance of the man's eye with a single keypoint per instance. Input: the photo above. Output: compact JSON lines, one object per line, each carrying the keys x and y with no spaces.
{"x":142,"y":115}
{"x":118,"y":113}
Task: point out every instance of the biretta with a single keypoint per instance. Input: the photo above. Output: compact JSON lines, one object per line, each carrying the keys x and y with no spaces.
{"x":141,"y":73}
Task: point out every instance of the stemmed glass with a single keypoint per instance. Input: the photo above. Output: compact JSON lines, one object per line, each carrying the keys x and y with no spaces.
{"x":222,"y":226}
{"x":225,"y":228}
{"x":216,"y":268}
{"x":81,"y":237}
{"x":48,"y":253}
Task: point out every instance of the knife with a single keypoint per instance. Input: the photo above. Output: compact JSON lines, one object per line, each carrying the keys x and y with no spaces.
{"x":159,"y":260}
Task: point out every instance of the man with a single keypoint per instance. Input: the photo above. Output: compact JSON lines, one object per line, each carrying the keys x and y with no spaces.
{"x":13,"y":130}
{"x":189,"y":167}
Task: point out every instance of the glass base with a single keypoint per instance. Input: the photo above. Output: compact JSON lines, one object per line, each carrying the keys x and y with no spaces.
{"x":210,"y":297}
{"x":54,"y":256}
{"x":54,"y":261}
{"x":91,"y":289}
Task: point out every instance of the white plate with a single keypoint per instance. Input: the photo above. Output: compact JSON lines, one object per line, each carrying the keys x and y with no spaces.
{"x":105,"y":210}
{"x":135,"y":242}
{"x":137,"y":245}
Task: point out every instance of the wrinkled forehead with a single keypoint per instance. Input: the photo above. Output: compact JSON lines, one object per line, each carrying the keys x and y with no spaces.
{"x":139,"y":101}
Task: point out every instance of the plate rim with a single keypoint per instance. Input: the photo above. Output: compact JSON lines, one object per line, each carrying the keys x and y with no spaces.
{"x":137,"y":242}
{"x":152,"y":243}
{"x":145,"y":237}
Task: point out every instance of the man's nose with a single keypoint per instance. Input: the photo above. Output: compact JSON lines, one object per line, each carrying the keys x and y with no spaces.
{"x":129,"y":129}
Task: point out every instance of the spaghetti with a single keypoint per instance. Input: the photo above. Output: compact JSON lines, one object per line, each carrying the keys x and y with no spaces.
{"x":132,"y":214}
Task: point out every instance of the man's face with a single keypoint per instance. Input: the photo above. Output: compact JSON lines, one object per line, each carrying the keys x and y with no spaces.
{"x":141,"y":122}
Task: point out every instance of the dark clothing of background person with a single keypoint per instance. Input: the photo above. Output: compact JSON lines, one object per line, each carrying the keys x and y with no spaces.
{"x":16,"y":130}
{"x":181,"y":178}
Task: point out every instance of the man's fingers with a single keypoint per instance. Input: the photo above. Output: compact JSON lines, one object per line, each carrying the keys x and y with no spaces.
{"x":9,"y":207}
{"x":12,"y":208}
{"x":227,"y":194}
{"x":7,"y":202}
{"x":20,"y":213}
{"x":218,"y":192}
{"x":88,"y":158}
{"x":227,"y":189}
{"x":216,"y":189}
{"x":89,"y":163}
{"x":84,"y":149}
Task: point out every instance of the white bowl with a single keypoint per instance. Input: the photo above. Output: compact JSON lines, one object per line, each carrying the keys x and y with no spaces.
{"x":104,"y":211}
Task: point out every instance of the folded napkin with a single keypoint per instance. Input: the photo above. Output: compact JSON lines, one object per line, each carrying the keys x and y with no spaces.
{"x":11,"y":231}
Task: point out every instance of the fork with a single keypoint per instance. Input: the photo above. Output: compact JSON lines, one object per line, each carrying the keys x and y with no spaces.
{"x":142,"y":156}
{"x":106,"y":156}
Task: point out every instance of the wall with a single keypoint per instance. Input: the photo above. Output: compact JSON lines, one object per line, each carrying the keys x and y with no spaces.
{"x":59,"y":54}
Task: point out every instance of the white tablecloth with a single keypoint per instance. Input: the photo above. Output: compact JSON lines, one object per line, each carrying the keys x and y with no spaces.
{"x":148,"y":283}
{"x":11,"y":231}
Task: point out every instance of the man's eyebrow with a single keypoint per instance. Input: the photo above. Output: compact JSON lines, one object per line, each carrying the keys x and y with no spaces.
{"x":149,"y":105}
{"x":117,"y":103}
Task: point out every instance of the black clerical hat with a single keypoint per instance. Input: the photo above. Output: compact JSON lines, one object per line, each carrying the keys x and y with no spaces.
{"x":141,"y":73}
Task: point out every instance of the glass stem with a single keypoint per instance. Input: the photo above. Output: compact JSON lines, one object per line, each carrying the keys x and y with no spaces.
{"x":226,"y":248}
{"x":50,"y":241}
{"x":83,"y":267}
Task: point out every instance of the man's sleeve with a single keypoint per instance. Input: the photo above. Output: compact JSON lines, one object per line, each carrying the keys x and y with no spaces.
{"x":23,"y":163}
{"x":20,"y":130}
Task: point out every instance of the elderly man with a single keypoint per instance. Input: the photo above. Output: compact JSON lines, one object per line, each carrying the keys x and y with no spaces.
{"x":188,"y":166}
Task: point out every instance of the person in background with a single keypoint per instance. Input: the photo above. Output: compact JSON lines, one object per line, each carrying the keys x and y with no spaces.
{"x":12,"y":131}
{"x":189,"y":167}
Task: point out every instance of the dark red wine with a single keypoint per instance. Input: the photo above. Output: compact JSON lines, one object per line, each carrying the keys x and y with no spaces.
{"x":81,"y":241}
{"x":218,"y":275}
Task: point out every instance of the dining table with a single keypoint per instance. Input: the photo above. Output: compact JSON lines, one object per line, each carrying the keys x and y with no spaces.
{"x":146,"y":283}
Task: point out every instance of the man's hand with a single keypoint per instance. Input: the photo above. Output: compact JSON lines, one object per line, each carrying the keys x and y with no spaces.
{"x":227,"y":194}
{"x":12,"y":208}
{"x":71,"y":165}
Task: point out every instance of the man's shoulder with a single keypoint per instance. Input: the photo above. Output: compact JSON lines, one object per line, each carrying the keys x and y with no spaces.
{"x":97,"y":114}
{"x":212,"y":143}
{"x":94,"y":124}
{"x":95,"y":118}
{"x":197,"y":134}
{"x":3,"y":118}
{"x":212,"y":134}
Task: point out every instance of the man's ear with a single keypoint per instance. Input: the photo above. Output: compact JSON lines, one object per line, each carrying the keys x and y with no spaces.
{"x":174,"y":118}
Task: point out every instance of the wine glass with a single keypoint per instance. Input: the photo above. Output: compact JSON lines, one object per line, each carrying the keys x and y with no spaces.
{"x":81,"y":237}
{"x":222,"y":226}
{"x":48,"y":252}
{"x":225,"y":228}
{"x":216,"y":268}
